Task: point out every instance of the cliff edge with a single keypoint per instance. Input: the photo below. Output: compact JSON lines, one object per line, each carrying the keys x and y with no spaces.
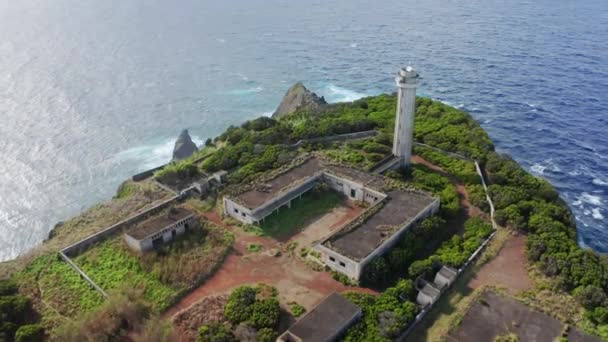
{"x":299,"y":98}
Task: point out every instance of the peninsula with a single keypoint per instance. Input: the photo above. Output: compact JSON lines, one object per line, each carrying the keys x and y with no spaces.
{"x":388,"y":218}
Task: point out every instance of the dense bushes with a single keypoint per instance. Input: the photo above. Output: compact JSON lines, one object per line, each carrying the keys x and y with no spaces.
{"x":215,"y":332}
{"x":531,"y":204}
{"x":177,"y":170}
{"x":244,"y":306}
{"x":29,"y":333}
{"x":384,"y":270}
{"x":15,"y":313}
{"x":385,"y":315}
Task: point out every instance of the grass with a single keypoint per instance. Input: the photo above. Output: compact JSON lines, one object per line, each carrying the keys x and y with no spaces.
{"x":254,"y":248}
{"x":161,"y":274}
{"x":289,"y":221}
{"x":57,"y":291}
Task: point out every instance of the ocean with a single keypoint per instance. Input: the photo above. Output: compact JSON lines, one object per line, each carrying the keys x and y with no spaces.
{"x":94,"y":91}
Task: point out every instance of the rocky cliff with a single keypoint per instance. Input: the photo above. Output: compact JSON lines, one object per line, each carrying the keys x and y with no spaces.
{"x":299,"y":98}
{"x":184,"y":147}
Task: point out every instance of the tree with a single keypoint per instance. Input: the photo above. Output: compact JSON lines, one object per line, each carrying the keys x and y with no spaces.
{"x":590,"y":296}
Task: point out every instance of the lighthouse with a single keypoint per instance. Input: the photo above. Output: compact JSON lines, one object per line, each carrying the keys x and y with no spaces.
{"x":406,"y":106}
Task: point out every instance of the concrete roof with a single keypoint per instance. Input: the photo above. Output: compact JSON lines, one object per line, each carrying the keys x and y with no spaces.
{"x":359,"y":241}
{"x":326,"y":320}
{"x":265,"y":192}
{"x":157,"y":223}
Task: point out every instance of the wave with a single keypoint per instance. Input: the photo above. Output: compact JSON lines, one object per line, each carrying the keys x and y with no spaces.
{"x":597,"y":214}
{"x":598,"y":181}
{"x":587,"y":198}
{"x":247,"y":91}
{"x":334,"y":94}
{"x":151,"y":155}
{"x":540,"y":167}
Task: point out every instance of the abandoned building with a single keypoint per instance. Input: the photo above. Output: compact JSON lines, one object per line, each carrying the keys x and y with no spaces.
{"x":387,"y":218}
{"x":325,"y":323}
{"x":155,"y":231}
{"x":429,"y":292}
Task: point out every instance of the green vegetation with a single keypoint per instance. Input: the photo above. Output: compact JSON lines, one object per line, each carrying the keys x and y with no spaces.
{"x":296,"y":309}
{"x":64,"y":293}
{"x":15,"y":315}
{"x":311,"y":205}
{"x":252,"y":313}
{"x":254,"y":248}
{"x":530,"y":204}
{"x":385,"y":315}
{"x":215,"y":332}
{"x":182,"y":169}
{"x":162,"y":273}
{"x":510,"y":337}
{"x":462,"y":170}
{"x":29,"y":333}
{"x":393,"y":265}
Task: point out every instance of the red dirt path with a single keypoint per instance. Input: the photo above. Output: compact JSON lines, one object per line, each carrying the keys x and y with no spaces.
{"x":294,"y":280}
{"x":507,"y":269}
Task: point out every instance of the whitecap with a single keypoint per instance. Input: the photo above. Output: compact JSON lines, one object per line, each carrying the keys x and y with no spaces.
{"x":597,"y":214}
{"x":587,"y":198}
{"x":353,"y":45}
{"x":333,"y":93}
{"x":538,"y":168}
{"x":598,"y":181}
{"x":220,"y":40}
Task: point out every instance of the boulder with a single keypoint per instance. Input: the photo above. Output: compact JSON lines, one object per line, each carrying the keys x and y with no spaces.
{"x":184,"y":146}
{"x":298,"y":98}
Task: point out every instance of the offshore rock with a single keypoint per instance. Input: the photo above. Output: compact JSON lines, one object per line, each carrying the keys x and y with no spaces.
{"x":298,"y":98}
{"x":184,"y":146}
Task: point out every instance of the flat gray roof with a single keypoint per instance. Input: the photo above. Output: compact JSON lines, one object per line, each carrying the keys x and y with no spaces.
{"x":359,"y":241}
{"x":158,"y":223}
{"x":265,"y":192}
{"x":326,"y":320}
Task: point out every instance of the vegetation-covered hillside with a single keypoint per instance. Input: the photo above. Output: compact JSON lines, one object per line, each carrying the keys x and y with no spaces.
{"x":522,"y":201}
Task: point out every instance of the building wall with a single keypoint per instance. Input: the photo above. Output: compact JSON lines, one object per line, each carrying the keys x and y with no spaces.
{"x":237,"y":211}
{"x":350,"y":268}
{"x":166,"y":233}
{"x":387,"y":245}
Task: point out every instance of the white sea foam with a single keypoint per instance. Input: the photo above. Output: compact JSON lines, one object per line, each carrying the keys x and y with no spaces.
{"x":353,"y":45}
{"x":247,"y":91}
{"x":598,"y":181}
{"x":597,"y":214}
{"x":333,"y":94}
{"x":587,"y":198}
{"x":153,"y":155}
{"x":538,"y":168}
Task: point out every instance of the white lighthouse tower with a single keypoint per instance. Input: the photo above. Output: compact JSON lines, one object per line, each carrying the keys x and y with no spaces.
{"x":406,"y":106}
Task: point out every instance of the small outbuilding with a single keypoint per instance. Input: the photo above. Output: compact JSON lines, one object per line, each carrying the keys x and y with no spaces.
{"x":427,"y":295}
{"x":160,"y":229}
{"x":325,"y":323}
{"x":445,"y":277}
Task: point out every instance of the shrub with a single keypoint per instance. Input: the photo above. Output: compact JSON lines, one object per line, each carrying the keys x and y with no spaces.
{"x":590,"y":296}
{"x":7,"y":287}
{"x":296,"y":309}
{"x":29,"y":333}
{"x":239,"y":307}
{"x":215,"y":332}
{"x":266,"y":313}
{"x":266,"y":335}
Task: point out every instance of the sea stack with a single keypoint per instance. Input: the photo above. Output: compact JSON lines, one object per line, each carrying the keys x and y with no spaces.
{"x":184,"y":146}
{"x":298,"y":98}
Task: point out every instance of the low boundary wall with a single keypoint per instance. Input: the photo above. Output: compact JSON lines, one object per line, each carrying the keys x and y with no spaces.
{"x":337,"y":137}
{"x":473,"y":256}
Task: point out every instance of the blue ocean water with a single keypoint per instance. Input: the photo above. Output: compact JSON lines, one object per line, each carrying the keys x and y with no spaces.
{"x":93,"y":91}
